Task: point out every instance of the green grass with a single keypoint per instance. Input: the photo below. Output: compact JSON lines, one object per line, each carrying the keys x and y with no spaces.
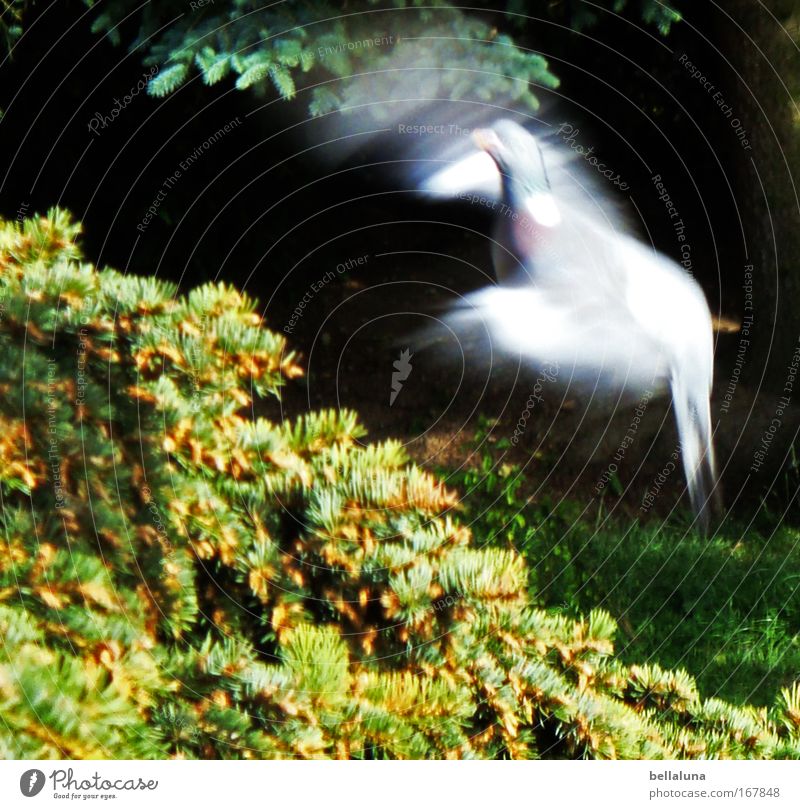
{"x":727,"y":609}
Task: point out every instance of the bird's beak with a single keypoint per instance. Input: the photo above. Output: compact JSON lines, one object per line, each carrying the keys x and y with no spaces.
{"x":486,"y":139}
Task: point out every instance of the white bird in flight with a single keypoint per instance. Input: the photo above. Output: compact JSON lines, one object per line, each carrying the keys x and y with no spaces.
{"x":577,"y":291}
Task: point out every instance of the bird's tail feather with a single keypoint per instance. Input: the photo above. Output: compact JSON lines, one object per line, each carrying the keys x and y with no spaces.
{"x":693,"y":416}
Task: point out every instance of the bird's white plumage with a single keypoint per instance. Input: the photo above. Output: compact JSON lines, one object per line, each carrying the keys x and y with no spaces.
{"x":543,"y":210}
{"x":579,"y":290}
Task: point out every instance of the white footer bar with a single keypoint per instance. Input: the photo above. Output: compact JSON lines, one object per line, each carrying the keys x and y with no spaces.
{"x":401,"y":785}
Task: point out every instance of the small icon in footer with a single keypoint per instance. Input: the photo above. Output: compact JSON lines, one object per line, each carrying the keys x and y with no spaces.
{"x":31,"y":782}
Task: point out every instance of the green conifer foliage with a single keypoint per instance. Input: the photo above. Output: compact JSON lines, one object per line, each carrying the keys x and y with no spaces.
{"x":181,"y":579}
{"x":417,"y":50}
{"x":281,"y":48}
{"x":11,"y":12}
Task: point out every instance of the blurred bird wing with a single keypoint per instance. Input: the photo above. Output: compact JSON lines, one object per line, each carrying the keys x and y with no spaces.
{"x":474,"y":178}
{"x":590,"y":340}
